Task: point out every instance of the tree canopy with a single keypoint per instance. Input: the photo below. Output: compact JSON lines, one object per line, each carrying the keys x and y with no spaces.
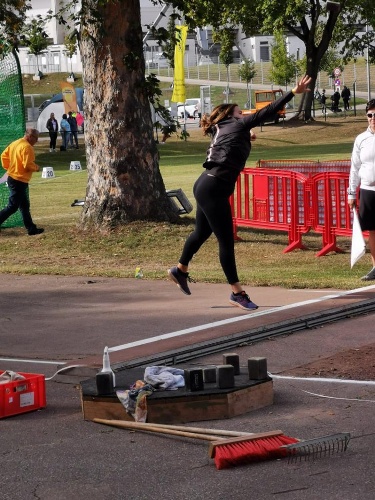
{"x":33,"y":35}
{"x":308,"y":20}
{"x":284,"y":68}
{"x":12,"y":19}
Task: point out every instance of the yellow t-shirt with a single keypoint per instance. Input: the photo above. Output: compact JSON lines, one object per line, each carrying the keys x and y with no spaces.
{"x":19,"y":160}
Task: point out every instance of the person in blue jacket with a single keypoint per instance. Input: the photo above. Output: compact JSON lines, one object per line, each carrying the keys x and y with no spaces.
{"x":226,"y":157}
{"x":65,"y":132}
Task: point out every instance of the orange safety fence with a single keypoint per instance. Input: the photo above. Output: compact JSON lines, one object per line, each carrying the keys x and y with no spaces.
{"x":272,"y":199}
{"x":291,"y":201}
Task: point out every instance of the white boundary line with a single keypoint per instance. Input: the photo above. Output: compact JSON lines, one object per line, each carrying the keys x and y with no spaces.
{"x":199,"y":328}
{"x":34,"y":361}
{"x":180,"y":333}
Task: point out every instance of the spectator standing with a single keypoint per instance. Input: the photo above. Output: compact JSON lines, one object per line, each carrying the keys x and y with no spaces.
{"x":53,"y":128}
{"x":73,"y":130}
{"x":345,"y":95}
{"x":65,"y":132}
{"x":362,"y":174}
{"x":80,"y":120}
{"x":323,"y":100}
{"x":335,"y":101}
{"x":18,"y":159}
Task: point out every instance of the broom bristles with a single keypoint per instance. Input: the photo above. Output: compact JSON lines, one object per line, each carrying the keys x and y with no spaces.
{"x":267,"y":448}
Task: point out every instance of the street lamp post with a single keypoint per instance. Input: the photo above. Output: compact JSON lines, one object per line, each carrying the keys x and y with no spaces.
{"x":368,"y":70}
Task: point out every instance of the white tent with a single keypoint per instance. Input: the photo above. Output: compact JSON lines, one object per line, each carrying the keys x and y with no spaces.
{"x":55,"y":107}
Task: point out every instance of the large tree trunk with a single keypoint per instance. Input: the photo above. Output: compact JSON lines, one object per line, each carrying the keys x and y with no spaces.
{"x":124,"y":181}
{"x":314,"y":55}
{"x":306,"y":103}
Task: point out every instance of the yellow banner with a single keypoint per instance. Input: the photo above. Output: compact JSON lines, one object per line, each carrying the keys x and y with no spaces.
{"x":179,"y":91}
{"x":69,"y":97}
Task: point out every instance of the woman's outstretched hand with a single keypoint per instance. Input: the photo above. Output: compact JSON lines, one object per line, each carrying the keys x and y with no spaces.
{"x":302,"y":85}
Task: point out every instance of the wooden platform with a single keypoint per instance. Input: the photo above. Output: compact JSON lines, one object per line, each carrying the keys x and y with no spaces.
{"x":179,"y":406}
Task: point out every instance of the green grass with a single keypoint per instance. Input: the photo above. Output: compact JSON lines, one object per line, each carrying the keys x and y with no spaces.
{"x":65,"y":250}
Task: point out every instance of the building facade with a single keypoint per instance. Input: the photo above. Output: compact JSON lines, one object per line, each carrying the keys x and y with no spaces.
{"x":199,"y":49}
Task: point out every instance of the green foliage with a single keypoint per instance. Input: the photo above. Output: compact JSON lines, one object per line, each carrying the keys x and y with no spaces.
{"x":5,"y":48}
{"x":246,"y":70}
{"x":283,"y":65}
{"x":168,"y":46}
{"x":70,"y":42}
{"x":299,"y":17}
{"x":226,"y":38}
{"x":12,"y":20}
{"x":35,"y":37}
{"x":330,"y":61}
{"x":164,"y":121}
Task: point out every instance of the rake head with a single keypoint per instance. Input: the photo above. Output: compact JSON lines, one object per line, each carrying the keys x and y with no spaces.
{"x":317,"y":447}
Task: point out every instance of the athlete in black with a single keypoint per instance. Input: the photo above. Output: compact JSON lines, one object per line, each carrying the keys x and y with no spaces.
{"x":226,"y":157}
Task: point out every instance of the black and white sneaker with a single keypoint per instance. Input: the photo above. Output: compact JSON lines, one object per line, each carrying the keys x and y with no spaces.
{"x":370,"y":276}
{"x":181,"y":279}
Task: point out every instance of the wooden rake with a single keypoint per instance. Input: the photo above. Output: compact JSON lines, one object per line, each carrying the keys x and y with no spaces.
{"x":231,"y":448}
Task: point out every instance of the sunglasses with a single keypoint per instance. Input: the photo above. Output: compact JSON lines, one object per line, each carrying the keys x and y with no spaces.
{"x":370,"y":115}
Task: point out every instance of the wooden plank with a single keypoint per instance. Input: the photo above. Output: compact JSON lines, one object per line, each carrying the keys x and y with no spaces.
{"x":188,"y":408}
{"x":250,"y":399}
{"x":110,"y":409}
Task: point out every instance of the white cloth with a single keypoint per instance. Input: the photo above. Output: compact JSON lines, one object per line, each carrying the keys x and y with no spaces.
{"x":164,"y":378}
{"x":10,"y":376}
{"x":358,"y":241}
{"x":362,"y":170}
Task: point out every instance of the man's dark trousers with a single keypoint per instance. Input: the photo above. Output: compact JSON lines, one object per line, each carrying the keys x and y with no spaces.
{"x":18,"y":199}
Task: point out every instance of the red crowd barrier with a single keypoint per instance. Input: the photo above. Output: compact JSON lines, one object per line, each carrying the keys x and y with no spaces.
{"x":272,"y":199}
{"x":288,"y":200}
{"x":308,"y":167}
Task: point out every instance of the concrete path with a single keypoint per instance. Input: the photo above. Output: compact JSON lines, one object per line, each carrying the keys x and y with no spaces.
{"x":53,"y":454}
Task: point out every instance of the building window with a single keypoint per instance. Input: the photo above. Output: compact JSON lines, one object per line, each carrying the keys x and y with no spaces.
{"x":264,"y":51}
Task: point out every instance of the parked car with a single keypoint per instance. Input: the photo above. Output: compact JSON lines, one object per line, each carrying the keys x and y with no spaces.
{"x":157,"y":61}
{"x":190,"y":108}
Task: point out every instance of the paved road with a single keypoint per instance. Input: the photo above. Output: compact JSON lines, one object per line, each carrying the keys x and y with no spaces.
{"x":54,"y":454}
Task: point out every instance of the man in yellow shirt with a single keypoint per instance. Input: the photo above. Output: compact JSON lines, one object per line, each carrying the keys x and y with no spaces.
{"x":19,"y":161}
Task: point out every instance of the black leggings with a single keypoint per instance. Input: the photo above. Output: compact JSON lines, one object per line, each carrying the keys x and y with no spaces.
{"x":214,"y":215}
{"x":52,"y":140}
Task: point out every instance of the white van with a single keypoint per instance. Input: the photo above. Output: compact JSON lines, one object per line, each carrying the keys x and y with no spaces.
{"x":157,"y":61}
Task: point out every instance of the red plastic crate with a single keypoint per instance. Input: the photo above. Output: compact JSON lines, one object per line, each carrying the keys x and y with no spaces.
{"x":21,"y":396}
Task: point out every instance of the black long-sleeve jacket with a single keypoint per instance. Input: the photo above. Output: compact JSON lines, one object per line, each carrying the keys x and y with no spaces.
{"x":230,"y":145}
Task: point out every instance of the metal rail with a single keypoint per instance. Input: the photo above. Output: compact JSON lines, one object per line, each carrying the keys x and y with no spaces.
{"x":248,"y":337}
